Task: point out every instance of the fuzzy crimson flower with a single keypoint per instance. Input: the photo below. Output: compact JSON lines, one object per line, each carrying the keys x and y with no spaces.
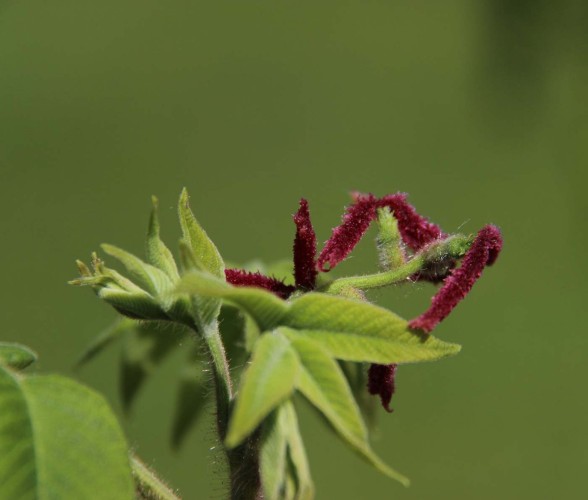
{"x":482,"y":253}
{"x":416,"y":231}
{"x":305,"y":270}
{"x":239,"y":277}
{"x":381,"y":382}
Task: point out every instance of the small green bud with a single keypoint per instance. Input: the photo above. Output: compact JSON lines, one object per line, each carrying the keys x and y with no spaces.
{"x":389,"y":241}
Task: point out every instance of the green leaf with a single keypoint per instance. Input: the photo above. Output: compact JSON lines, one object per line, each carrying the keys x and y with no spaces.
{"x":111,"y":333}
{"x":155,"y":281}
{"x":16,"y":356}
{"x":298,"y":463}
{"x":59,"y":439}
{"x":322,"y":382}
{"x":207,"y":256}
{"x":269,"y":379}
{"x":272,"y":456}
{"x":359,"y":331}
{"x":192,"y":397}
{"x":156,"y":251}
{"x":146,"y":345}
{"x":265,"y":308}
{"x":139,"y":305}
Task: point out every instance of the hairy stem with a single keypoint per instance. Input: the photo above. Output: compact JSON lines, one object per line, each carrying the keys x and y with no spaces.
{"x":379,"y":279}
{"x":243,"y":461}
{"x":148,"y":485}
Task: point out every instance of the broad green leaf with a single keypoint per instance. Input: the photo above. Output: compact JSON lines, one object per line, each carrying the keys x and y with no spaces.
{"x":155,"y":281}
{"x":272,"y":456}
{"x":59,"y":439}
{"x":207,"y":256}
{"x":156,"y":251}
{"x":265,"y":308}
{"x":269,"y":379}
{"x":359,"y":331}
{"x":193,"y":392}
{"x":104,"y":339}
{"x":298,"y":463}
{"x":16,"y":356}
{"x":322,"y":382}
{"x":145,"y":346}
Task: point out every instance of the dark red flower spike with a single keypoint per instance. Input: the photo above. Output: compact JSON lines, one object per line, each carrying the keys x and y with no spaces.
{"x":381,"y":383}
{"x":238,"y":277}
{"x":482,"y":253}
{"x":416,"y":230}
{"x":304,"y":249}
{"x":356,"y":221}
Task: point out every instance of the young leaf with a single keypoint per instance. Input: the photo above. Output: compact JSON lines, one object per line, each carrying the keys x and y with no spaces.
{"x":263,"y":306}
{"x":157,"y":253}
{"x":269,"y":379}
{"x":146,"y":346}
{"x":59,"y":439}
{"x":192,"y":397}
{"x":322,"y":382}
{"x":207,"y":256}
{"x":272,"y":456}
{"x":16,"y":356}
{"x":137,"y":305}
{"x":298,"y":463}
{"x":359,"y":331}
{"x":155,"y":281}
{"x":104,"y":339}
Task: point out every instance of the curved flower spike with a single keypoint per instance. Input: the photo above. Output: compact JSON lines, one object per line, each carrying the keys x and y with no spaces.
{"x":305,"y":271}
{"x":416,"y":230}
{"x":482,"y":253}
{"x":356,"y":221}
{"x":381,"y":383}
{"x":238,"y":277}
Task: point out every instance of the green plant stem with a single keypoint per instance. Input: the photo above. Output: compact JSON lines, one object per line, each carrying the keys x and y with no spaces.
{"x":243,"y":461}
{"x":222,"y":376}
{"x":148,"y":485}
{"x":378,"y":280}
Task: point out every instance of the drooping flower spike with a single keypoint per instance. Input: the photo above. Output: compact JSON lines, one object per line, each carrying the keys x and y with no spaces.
{"x":482,"y":253}
{"x":381,"y":382}
{"x":416,"y":230}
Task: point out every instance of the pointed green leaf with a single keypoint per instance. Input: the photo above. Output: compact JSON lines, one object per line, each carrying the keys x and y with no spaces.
{"x":207,"y":256}
{"x":156,"y":251}
{"x":153,"y":279}
{"x":59,"y":439}
{"x":16,"y":356}
{"x":104,"y":339}
{"x":193,"y":392}
{"x":272,"y":456}
{"x":269,"y":379}
{"x":145,"y":347}
{"x":267,"y":309}
{"x":359,"y":331}
{"x":133,"y":305}
{"x":205,"y":308}
{"x":298,"y":462}
{"x":322,"y":382}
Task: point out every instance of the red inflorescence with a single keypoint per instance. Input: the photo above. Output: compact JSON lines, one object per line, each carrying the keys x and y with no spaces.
{"x":305,"y":270}
{"x":482,"y":253}
{"x":238,"y":277}
{"x":381,"y":383}
{"x":356,"y":221}
{"x":416,"y":230}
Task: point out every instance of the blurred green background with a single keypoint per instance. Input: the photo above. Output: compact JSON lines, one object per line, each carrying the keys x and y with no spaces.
{"x":477,"y":109}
